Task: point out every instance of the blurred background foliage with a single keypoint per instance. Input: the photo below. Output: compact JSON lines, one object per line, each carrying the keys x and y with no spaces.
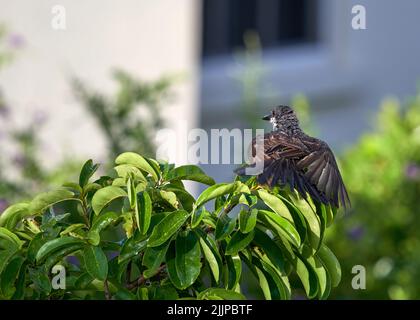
{"x":382,"y":173}
{"x":128,"y":121}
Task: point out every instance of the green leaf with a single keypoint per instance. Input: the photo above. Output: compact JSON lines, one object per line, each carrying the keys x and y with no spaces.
{"x":153,"y":258}
{"x":102,"y":221}
{"x":234,"y":271}
{"x":19,"y":293}
{"x":96,"y":262}
{"x":9,"y":275}
{"x":54,"y":245}
{"x":45,"y":200}
{"x":187,"y":260}
{"x":167,"y":227}
{"x":138,"y":161}
{"x":125,"y":170}
{"x":131,"y":192}
{"x":238,"y":242}
{"x":72,"y":228}
{"x":274,"y":203}
{"x":144,"y":213}
{"x":13,"y":214}
{"x":280,"y":225}
{"x":314,"y":226}
{"x":331,"y":263}
{"x":87,"y":172}
{"x":60,"y":254}
{"x":190,"y":172}
{"x":10,"y":236}
{"x":132,"y":247}
{"x":164,"y":292}
{"x":224,"y":227}
{"x":186,"y":199}
{"x":171,"y":266}
{"x":247,"y":220}
{"x":212,"y":293}
{"x":324,"y":284}
{"x":307,"y":276}
{"x":271,"y":249}
{"x":40,"y":280}
{"x":105,"y":196}
{"x":6,"y":255}
{"x":210,"y":257}
{"x":170,"y":198}
{"x":34,"y":246}
{"x":215,"y":191}
{"x":198,"y":216}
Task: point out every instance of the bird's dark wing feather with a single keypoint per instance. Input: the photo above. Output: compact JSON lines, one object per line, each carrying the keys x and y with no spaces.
{"x":307,"y":166}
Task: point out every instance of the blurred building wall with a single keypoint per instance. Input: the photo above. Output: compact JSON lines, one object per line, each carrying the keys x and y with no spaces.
{"x":146,"y":38}
{"x":345,"y":74}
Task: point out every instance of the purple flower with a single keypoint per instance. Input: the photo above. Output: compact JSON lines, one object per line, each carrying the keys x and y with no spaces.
{"x":356,"y":233}
{"x":19,"y":160}
{"x":73,"y":260}
{"x":4,"y":111}
{"x":16,"y":41}
{"x":412,"y":171}
{"x":3,"y":205}
{"x":40,"y":117}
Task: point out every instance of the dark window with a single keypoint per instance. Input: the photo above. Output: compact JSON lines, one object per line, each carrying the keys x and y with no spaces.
{"x":278,"y":23}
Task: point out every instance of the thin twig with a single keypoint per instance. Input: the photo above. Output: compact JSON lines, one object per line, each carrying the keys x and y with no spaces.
{"x":140,"y":280}
{"x":107,"y":293}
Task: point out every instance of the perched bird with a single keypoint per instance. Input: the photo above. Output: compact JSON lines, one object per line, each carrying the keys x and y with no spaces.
{"x":291,"y":157}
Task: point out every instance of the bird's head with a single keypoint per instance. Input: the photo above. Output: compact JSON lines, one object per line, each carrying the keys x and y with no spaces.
{"x":283,"y":118}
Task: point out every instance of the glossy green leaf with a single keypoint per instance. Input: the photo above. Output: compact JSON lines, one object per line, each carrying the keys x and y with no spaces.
{"x":187,"y":260}
{"x":238,"y":242}
{"x":144,"y":212}
{"x":87,"y":172}
{"x":190,"y":172}
{"x":10,"y":236}
{"x":105,"y":196}
{"x":153,"y":258}
{"x":170,"y":198}
{"x":307,"y":276}
{"x":247,"y":220}
{"x":234,"y":271}
{"x":274,"y":203}
{"x":54,"y":245}
{"x":224,"y":227}
{"x":9,"y":275}
{"x":210,"y":257}
{"x":13,"y":214}
{"x":280,"y":225}
{"x":138,"y":161}
{"x":96,"y":262}
{"x":198,"y":216}
{"x":102,"y":221}
{"x":171,"y":266}
{"x":125,"y":170}
{"x":211,"y":293}
{"x":132,"y":247}
{"x":60,"y":254}
{"x":215,"y":191}
{"x":45,"y":200}
{"x":167,"y":227}
{"x":271,"y":249}
{"x":331,"y":263}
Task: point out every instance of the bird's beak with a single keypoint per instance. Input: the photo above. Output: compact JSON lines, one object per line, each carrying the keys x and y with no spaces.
{"x":267,"y":117}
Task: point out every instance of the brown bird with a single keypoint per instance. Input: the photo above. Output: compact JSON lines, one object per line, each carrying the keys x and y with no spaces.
{"x":291,"y":157}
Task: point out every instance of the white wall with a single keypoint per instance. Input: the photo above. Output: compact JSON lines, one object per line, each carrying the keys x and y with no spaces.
{"x":146,"y":38}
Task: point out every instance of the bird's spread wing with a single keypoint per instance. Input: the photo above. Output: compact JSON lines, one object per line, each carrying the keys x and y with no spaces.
{"x":308,"y":167}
